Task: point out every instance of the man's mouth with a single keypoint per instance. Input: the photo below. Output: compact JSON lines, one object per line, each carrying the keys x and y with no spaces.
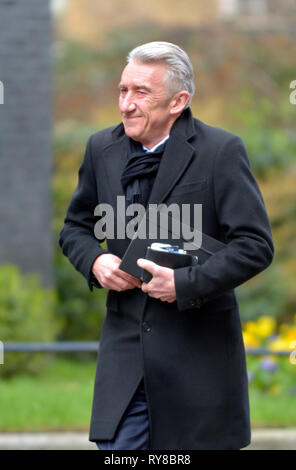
{"x":128,"y":118}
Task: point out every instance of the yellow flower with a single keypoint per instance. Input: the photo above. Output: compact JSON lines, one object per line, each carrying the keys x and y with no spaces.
{"x":265,"y":326}
{"x":279,"y":344}
{"x":250,"y":341}
{"x":290,"y":334}
{"x":250,"y":327}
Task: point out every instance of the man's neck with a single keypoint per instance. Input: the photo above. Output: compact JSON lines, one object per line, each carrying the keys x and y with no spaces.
{"x":152,"y":149}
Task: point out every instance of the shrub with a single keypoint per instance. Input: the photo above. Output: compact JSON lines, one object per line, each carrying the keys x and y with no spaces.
{"x":82,"y":312}
{"x":27,"y":313}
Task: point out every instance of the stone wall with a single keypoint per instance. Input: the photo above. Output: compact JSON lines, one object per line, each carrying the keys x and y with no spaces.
{"x":25,"y":136}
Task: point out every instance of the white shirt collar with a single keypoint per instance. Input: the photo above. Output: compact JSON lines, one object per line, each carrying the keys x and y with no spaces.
{"x":155,"y":146}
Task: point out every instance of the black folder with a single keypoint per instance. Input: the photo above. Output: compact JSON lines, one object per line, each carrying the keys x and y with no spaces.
{"x":203,"y":249}
{"x":167,"y":259}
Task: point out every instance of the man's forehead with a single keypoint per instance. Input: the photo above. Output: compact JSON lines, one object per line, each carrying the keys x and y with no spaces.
{"x":139,"y":73}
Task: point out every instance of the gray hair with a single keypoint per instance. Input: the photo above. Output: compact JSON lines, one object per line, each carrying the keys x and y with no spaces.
{"x":179,"y":68}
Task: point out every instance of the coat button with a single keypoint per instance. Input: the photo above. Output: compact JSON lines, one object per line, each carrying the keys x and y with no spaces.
{"x":146,"y":327}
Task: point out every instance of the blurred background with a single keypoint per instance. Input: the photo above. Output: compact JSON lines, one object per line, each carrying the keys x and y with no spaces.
{"x":60,"y":64}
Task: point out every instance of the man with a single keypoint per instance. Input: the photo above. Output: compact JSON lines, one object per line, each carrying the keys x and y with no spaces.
{"x":171,"y":370}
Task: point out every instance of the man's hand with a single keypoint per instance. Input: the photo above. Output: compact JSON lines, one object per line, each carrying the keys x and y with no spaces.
{"x":162,"y":284}
{"x":106,"y":270}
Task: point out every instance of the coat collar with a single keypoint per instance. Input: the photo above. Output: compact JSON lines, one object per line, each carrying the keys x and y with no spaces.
{"x":176,"y":158}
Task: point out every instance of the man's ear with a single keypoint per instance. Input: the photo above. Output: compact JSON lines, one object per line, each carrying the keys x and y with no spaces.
{"x":179,"y":102}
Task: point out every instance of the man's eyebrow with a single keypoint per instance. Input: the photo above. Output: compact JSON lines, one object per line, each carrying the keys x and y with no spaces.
{"x":136,"y":87}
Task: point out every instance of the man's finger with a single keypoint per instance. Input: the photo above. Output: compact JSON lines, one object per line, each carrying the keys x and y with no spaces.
{"x":144,"y":287}
{"x":127,"y":277}
{"x":148,"y":265}
{"x":119,"y":284}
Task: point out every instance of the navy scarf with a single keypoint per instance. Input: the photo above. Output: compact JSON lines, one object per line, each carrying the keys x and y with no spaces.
{"x":139,"y":172}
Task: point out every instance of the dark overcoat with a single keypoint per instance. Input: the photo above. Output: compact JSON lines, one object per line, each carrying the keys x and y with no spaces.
{"x":190,"y":352}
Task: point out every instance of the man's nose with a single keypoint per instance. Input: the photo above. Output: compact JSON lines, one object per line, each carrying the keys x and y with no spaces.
{"x":127,"y":104}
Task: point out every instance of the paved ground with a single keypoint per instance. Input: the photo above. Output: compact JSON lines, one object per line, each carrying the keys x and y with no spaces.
{"x":262,"y":439}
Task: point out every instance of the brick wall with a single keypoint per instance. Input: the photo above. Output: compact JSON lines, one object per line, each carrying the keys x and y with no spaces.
{"x":25,"y":136}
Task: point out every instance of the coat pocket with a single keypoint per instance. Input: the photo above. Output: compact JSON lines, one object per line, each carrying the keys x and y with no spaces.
{"x":192,"y":187}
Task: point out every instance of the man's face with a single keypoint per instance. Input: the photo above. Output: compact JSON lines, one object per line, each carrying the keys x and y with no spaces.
{"x":144,"y":103}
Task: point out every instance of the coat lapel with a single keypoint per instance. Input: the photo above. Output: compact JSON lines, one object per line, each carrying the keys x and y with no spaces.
{"x":176,"y":158}
{"x":114,"y":160}
{"x":174,"y":162}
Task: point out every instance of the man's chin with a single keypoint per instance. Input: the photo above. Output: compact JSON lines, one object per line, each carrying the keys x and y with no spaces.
{"x":132,"y":133}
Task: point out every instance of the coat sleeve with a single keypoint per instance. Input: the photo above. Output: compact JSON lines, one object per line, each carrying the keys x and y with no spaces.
{"x":77,"y":238}
{"x":242,"y":216}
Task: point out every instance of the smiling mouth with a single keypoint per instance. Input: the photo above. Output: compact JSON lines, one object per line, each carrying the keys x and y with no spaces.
{"x":131,"y":117}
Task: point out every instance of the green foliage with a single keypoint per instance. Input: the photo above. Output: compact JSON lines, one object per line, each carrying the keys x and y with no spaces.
{"x":272,"y":375}
{"x":269,"y":148}
{"x":81,"y":311}
{"x":265,"y":294}
{"x":265,"y":130}
{"x":27,"y":313}
{"x":70,"y":140}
